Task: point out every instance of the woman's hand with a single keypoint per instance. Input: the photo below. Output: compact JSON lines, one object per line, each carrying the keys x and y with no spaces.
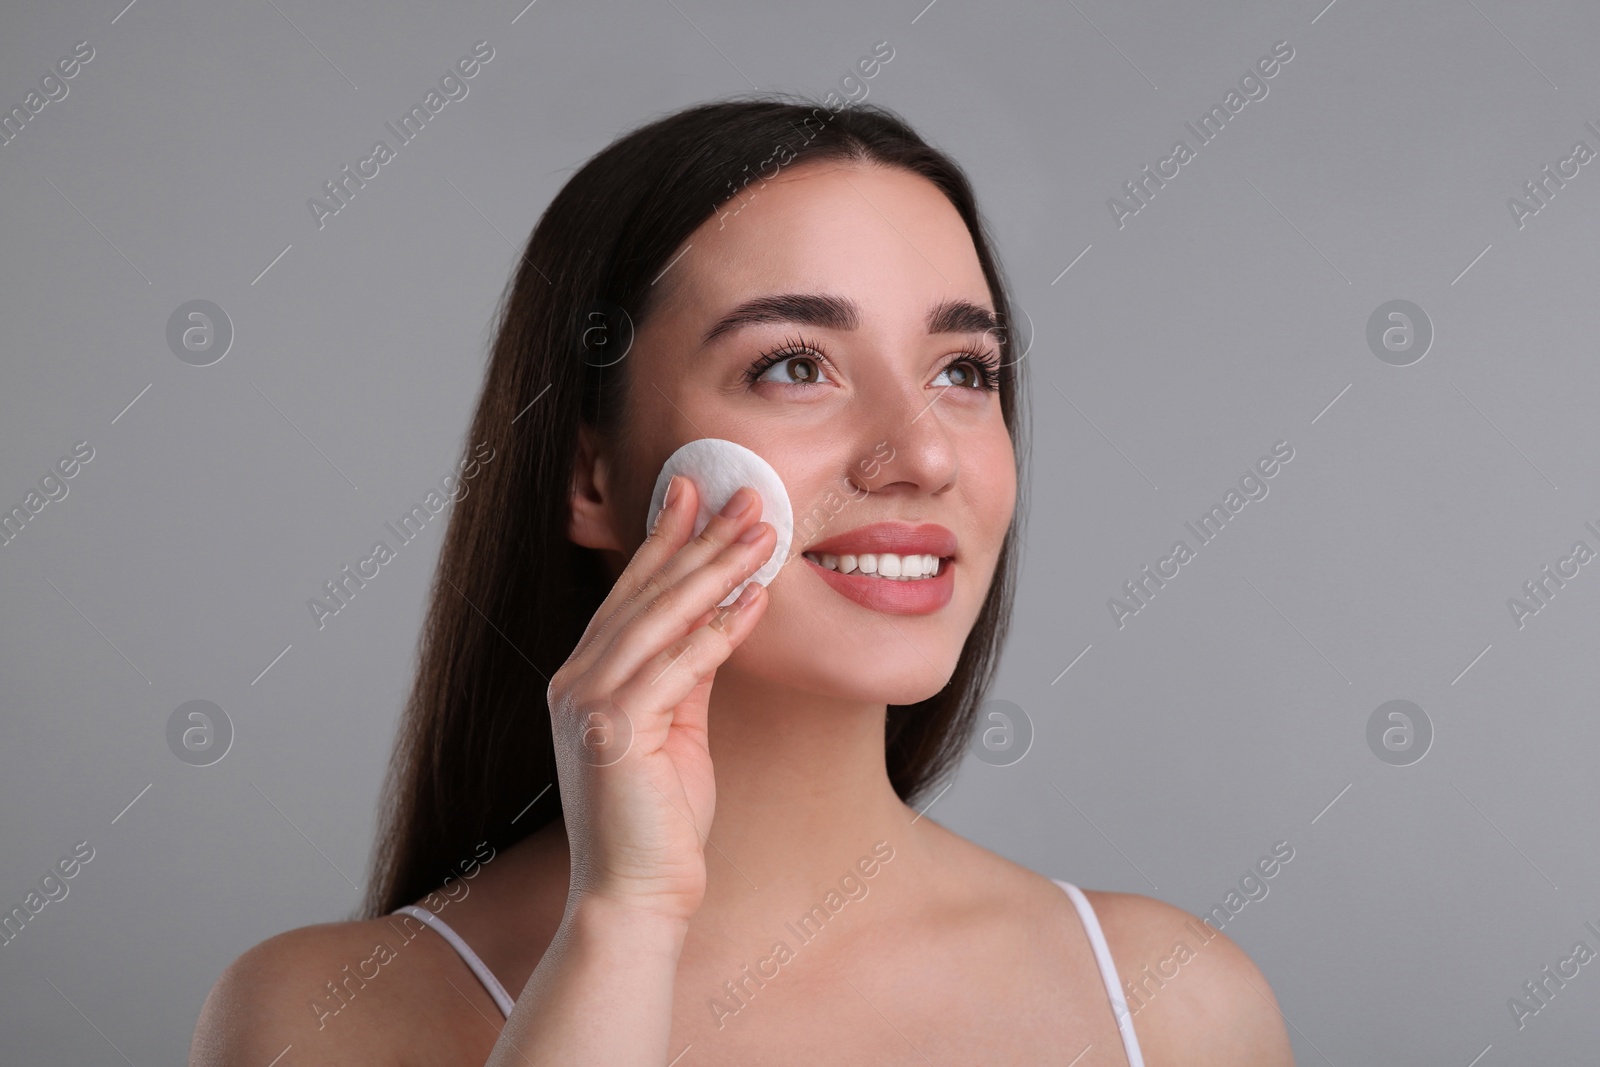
{"x":628,"y":708}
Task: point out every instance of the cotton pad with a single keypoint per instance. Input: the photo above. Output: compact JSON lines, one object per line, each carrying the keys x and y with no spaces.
{"x":718,"y":468}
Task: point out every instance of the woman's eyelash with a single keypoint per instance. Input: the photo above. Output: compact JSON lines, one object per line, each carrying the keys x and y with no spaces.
{"x":986,"y":362}
{"x":790,"y":348}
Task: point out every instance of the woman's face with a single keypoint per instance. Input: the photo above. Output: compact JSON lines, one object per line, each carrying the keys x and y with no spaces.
{"x":865,"y":388}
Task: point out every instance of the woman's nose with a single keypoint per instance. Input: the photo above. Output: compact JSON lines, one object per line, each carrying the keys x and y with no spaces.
{"x":905,"y":444}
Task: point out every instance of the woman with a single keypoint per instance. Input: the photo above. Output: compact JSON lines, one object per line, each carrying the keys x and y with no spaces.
{"x":552,"y":888}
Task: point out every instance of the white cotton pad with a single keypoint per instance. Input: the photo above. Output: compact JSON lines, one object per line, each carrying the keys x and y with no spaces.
{"x":718,"y":468}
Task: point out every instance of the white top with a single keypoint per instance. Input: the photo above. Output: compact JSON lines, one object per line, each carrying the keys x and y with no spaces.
{"x":502,"y":999}
{"x":1091,"y":926}
{"x":1108,"y":971}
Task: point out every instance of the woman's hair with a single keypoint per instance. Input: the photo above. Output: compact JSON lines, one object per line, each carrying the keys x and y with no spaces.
{"x":474,"y":760}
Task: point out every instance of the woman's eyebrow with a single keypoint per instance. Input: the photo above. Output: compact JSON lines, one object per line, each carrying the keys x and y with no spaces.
{"x":811,"y":309}
{"x":842,"y":313}
{"x":961,"y":316}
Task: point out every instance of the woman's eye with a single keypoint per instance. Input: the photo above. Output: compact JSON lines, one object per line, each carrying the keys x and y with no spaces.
{"x":962,"y":373}
{"x":794,"y":370}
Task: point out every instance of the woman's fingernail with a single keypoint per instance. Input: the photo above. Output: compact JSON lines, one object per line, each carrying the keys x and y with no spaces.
{"x":662,"y":513}
{"x":750,"y":535}
{"x":672,"y":496}
{"x":737,"y":504}
{"x":725,"y":615}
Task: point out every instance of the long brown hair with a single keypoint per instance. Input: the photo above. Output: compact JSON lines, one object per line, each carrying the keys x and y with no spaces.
{"x":473,"y":761}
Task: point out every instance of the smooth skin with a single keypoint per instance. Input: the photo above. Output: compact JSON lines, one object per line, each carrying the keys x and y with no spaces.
{"x":755,"y":777}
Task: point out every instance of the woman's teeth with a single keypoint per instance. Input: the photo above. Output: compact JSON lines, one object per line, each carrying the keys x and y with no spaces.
{"x":879,"y":565}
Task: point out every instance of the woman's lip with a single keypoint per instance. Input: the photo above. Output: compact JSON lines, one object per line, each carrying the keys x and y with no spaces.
{"x":921,"y":596}
{"x":901,"y":538}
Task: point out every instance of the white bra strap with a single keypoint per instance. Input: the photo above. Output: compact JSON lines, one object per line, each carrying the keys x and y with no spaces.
{"x":1108,"y":971}
{"x":502,"y":999}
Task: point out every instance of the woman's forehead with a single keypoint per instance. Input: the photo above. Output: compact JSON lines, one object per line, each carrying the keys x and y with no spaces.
{"x":883,"y":239}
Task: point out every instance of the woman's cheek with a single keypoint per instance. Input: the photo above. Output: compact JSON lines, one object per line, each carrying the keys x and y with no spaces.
{"x":1000,"y":469}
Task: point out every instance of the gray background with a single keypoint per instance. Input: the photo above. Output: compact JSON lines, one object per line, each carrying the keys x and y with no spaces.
{"x":1227,"y":315}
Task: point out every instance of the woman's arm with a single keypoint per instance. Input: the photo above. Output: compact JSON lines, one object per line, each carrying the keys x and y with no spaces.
{"x":628,"y":711}
{"x":602,"y":993}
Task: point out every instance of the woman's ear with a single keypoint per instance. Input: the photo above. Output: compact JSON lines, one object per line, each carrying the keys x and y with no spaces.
{"x":589,"y":524}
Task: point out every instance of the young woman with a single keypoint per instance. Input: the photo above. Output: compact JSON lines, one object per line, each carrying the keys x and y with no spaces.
{"x":629,"y":827}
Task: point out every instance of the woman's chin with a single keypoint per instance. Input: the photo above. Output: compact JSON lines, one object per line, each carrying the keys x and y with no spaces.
{"x":859,"y":676}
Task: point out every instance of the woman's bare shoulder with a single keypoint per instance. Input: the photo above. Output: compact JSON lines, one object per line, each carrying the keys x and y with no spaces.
{"x":341,"y":992}
{"x":1195,"y":996}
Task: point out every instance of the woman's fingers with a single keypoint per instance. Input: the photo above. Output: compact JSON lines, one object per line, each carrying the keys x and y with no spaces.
{"x":683,"y":605}
{"x":668,"y":533}
{"x":669,"y":558}
{"x":666,"y":536}
{"x":663,"y":680}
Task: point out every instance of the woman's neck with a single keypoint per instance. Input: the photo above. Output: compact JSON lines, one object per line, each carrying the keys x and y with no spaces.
{"x":803,"y":796}
{"x":803,"y":793}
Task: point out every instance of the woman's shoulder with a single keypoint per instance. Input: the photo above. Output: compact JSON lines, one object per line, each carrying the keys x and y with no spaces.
{"x":1196,"y":997}
{"x":1194,"y":994}
{"x":388,"y":990}
{"x":340,"y":992}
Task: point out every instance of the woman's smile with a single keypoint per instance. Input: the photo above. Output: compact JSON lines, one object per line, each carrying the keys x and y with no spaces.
{"x":897,"y":568}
